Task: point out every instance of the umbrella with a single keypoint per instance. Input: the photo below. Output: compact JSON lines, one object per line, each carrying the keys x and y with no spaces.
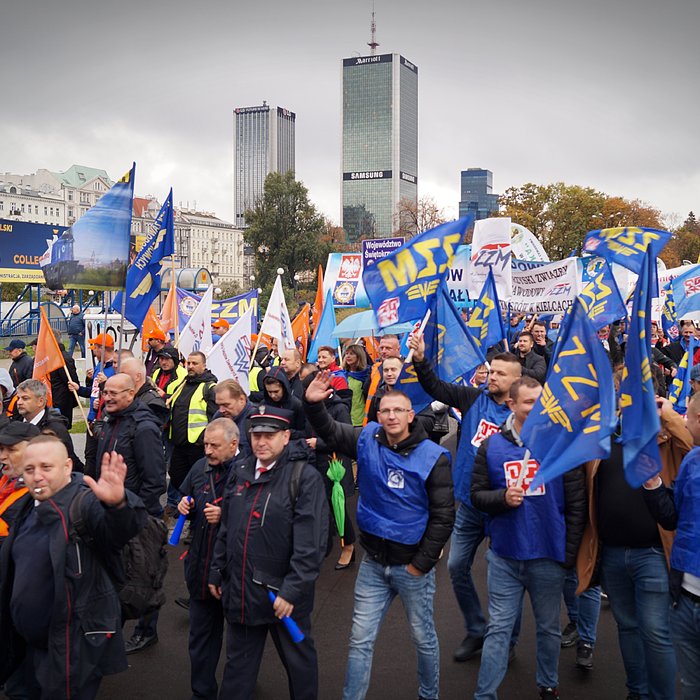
{"x":365,"y":323}
{"x":336,"y":471}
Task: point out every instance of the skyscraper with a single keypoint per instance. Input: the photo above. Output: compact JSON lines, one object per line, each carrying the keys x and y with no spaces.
{"x":263,"y":142}
{"x":380,"y":142}
{"x":477,"y":193}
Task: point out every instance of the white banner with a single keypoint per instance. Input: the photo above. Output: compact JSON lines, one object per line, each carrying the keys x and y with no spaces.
{"x":277,"y":323}
{"x":230,"y":357}
{"x":196,"y":335}
{"x":490,"y":249}
{"x":525,"y":245}
{"x":545,"y":289}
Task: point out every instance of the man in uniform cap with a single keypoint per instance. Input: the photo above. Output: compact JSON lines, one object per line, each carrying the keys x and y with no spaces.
{"x":273,"y":537}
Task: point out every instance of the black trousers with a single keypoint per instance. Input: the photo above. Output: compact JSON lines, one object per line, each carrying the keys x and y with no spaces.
{"x":206,"y":639}
{"x":181,"y":461}
{"x":244,"y":650}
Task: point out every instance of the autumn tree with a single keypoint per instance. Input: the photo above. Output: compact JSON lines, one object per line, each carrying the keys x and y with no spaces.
{"x":285,"y":230}
{"x":414,"y":217}
{"x":560,"y":215}
{"x":684,"y":244}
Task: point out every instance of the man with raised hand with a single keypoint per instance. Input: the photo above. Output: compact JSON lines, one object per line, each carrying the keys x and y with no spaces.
{"x":405,"y":515}
{"x":483,"y":412}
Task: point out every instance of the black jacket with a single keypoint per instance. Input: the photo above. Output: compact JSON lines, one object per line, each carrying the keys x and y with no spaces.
{"x":21,"y":368}
{"x":662,"y":507}
{"x":61,"y":396}
{"x":241,"y":420}
{"x":85,"y":631}
{"x":149,"y":397}
{"x":493,"y":501}
{"x":58,"y":424}
{"x":545,"y":350}
{"x":288,"y":402}
{"x":264,"y":537}
{"x":438,"y":485}
{"x":533,"y":365}
{"x":180,"y":407}
{"x":205,"y":484}
{"x":135,"y":434}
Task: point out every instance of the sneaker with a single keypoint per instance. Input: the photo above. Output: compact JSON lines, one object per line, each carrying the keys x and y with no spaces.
{"x":584,"y":655}
{"x":469,"y":648}
{"x":569,"y":636}
{"x":549,"y":693}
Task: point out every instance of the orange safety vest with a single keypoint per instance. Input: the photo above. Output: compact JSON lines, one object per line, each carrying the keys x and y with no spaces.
{"x":12,"y":498}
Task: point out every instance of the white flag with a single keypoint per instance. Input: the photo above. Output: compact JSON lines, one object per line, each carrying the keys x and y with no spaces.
{"x":196,"y":335}
{"x":230,"y":357}
{"x":277,"y":323}
{"x":491,"y":249}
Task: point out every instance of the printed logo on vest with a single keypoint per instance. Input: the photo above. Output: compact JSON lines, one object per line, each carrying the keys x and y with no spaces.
{"x":483,"y":430}
{"x":512,"y":472}
{"x":395,"y":480}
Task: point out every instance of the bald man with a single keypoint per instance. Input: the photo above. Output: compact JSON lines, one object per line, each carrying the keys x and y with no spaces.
{"x":57,"y":589}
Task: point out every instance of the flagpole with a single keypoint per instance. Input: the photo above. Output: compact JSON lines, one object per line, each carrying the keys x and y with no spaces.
{"x":174,"y":291}
{"x":121,"y":331}
{"x":523,"y":470}
{"x":77,"y":400}
{"x":423,"y":324}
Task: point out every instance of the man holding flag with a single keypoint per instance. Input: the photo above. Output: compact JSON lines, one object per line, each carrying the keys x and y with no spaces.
{"x":534,"y":534}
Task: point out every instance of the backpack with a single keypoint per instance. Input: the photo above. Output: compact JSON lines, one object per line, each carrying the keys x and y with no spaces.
{"x":144,"y":559}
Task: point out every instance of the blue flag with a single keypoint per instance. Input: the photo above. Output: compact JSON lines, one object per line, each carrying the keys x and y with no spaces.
{"x":449,"y":348}
{"x":401,"y":286}
{"x":669,"y":319}
{"x":680,"y":387}
{"x":626,"y":246}
{"x":600,"y":295}
{"x":485,"y":320}
{"x":229,"y":310}
{"x":575,"y":415}
{"x":144,"y":275}
{"x":639,"y":415}
{"x":326,"y":326}
{"x":686,"y":291}
{"x":94,"y":252}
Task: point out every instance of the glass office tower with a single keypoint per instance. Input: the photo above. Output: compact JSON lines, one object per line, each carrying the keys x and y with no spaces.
{"x":380,"y":142}
{"x":477,"y":193}
{"x":263,"y":142}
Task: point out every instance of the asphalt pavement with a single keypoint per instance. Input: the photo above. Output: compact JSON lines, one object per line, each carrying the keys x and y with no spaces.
{"x":162,"y":671}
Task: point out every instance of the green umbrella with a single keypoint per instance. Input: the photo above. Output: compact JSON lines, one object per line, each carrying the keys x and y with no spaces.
{"x":336,"y":471}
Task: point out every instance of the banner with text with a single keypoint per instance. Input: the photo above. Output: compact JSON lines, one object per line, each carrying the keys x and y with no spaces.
{"x":545,"y":289}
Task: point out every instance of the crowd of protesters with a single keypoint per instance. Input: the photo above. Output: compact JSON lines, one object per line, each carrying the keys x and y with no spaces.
{"x":256,"y":475}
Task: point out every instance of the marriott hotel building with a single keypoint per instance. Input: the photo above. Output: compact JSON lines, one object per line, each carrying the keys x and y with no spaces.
{"x":380,"y":142}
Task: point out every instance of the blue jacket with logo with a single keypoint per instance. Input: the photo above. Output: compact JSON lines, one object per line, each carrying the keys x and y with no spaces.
{"x":550,"y":522}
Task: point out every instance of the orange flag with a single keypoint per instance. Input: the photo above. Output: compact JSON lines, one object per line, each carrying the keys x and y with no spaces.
{"x":168,"y":314}
{"x":317,"y":308}
{"x":150,"y":323}
{"x":300,"y":331}
{"x":48,"y":357}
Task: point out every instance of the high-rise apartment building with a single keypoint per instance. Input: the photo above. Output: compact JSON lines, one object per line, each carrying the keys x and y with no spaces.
{"x":263,"y":142}
{"x":380,"y":142}
{"x":477,"y":193}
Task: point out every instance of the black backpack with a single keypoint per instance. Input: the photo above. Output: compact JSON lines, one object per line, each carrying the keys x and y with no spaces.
{"x":144,"y":560}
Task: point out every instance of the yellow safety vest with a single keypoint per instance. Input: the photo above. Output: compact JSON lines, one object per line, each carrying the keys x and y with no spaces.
{"x":180,"y":374}
{"x":197,"y":418}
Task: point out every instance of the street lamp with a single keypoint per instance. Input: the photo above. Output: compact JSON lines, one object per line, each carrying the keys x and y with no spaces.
{"x":252,"y":281}
{"x":280,"y":270}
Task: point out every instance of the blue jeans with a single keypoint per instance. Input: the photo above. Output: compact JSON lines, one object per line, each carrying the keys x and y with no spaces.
{"x":78,"y":340}
{"x":375,"y":588}
{"x":508,"y":579}
{"x":636,"y":581}
{"x":467,"y":535}
{"x":583,"y":610}
{"x":685,"y":633}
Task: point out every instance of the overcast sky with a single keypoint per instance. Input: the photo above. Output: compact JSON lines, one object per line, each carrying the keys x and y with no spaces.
{"x":601,"y":93}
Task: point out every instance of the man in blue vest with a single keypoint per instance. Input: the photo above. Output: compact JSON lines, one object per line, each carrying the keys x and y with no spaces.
{"x":405,"y":515}
{"x":679,"y":509}
{"x":482,"y":414}
{"x":534,"y":535}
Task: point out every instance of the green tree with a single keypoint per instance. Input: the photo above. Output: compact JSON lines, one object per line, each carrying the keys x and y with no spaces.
{"x":285,"y":230}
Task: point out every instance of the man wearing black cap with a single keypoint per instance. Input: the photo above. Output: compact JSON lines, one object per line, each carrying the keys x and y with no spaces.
{"x":13,"y":493}
{"x":22,"y":365}
{"x":169,"y":372}
{"x":273,"y":537}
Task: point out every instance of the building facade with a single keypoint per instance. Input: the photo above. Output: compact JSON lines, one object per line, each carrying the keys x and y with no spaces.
{"x":380,"y":143}
{"x":201,"y":238}
{"x":263,"y":142}
{"x":476,"y":187}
